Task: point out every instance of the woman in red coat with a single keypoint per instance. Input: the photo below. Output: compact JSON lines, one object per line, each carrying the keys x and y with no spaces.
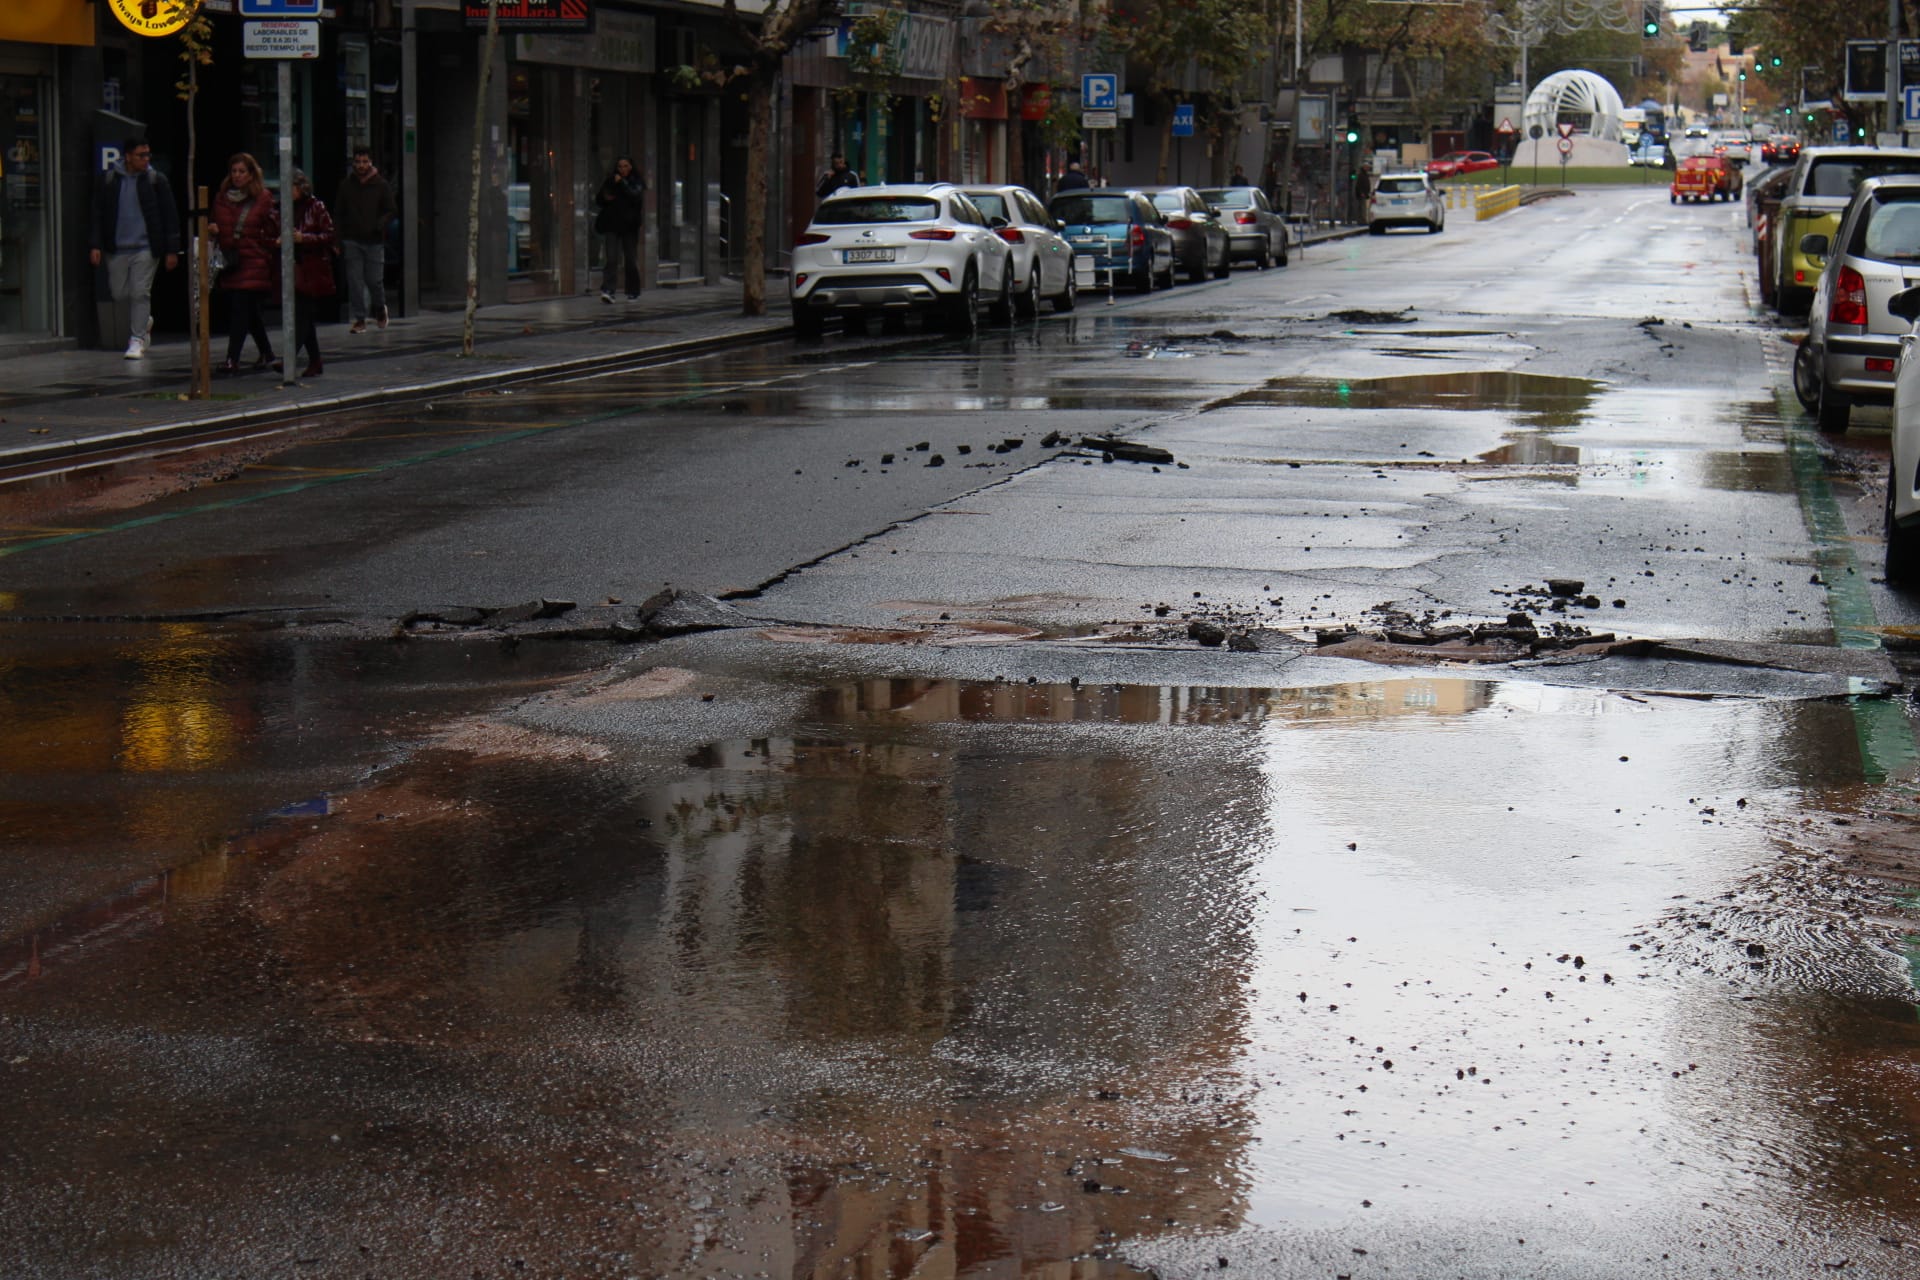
{"x":246,"y":219}
{"x":313,"y":247}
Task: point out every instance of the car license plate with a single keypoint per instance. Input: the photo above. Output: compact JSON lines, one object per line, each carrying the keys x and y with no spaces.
{"x":1092,"y":240}
{"x":868,"y":255}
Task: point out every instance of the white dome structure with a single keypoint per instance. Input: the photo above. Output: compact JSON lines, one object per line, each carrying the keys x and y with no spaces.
{"x":1587,"y":101}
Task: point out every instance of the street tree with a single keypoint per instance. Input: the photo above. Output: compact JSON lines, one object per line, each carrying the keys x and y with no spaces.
{"x":1812,"y":35}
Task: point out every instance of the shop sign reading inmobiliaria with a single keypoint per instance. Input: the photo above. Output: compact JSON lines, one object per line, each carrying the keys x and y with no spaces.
{"x":153,"y":17}
{"x":559,"y":17}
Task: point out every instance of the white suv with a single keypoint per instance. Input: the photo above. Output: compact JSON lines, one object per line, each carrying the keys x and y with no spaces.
{"x":1405,"y":200}
{"x":895,"y":249}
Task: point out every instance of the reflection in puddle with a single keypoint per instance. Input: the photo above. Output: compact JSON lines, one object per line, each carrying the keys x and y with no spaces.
{"x":984,"y":978}
{"x":1533,"y":450}
{"x":1535,"y":399}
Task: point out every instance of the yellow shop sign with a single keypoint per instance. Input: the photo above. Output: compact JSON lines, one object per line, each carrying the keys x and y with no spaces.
{"x":153,"y":17}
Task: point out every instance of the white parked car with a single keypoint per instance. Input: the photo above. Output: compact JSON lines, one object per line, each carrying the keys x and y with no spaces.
{"x":1853,"y":335}
{"x":1042,"y":258}
{"x":892,"y":250}
{"x":1405,"y":200}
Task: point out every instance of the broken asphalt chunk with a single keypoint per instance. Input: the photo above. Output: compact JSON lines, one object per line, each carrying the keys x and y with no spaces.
{"x":675,"y":612}
{"x":1125,"y":450}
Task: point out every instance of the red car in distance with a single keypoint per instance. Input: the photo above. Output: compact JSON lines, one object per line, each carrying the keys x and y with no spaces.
{"x":1457,"y":162}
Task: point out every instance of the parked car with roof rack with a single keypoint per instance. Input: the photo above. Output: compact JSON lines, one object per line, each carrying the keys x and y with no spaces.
{"x":898,"y":249}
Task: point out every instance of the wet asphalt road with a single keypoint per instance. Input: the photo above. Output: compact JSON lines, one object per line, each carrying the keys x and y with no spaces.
{"x":961,"y":916}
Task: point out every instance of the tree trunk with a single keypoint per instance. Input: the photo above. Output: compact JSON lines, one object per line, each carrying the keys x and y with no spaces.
{"x":753,"y":266}
{"x":1166,"y":147}
{"x":473,"y":201}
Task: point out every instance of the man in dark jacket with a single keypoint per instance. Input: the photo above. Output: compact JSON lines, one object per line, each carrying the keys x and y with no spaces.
{"x":135,"y":226}
{"x":361,"y":212}
{"x":1074,"y":179}
{"x":836,"y":178}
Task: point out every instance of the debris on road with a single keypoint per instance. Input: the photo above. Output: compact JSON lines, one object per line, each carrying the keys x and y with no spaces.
{"x":1118,"y":450}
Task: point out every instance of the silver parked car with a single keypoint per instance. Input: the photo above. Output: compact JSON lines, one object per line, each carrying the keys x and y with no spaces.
{"x":1042,"y":258}
{"x":1853,"y":338}
{"x":891,"y":250}
{"x":1255,"y":233}
{"x":1903,"y":472}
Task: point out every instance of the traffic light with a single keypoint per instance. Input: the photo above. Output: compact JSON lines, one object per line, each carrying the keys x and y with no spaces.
{"x":1736,"y":43}
{"x":1775,"y":61}
{"x":1650,"y":19}
{"x":1697,"y":37}
{"x":1353,"y":135}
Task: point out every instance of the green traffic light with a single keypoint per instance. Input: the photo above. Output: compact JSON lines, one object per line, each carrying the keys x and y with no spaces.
{"x":1651,"y":30}
{"x":1352,"y":136}
{"x":1776,"y":62}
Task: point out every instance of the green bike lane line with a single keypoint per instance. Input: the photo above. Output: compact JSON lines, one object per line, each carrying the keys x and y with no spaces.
{"x":1881,"y":728}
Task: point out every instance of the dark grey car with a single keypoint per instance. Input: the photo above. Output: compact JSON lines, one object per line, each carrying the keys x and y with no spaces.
{"x":1199,"y":240}
{"x":1255,"y":233}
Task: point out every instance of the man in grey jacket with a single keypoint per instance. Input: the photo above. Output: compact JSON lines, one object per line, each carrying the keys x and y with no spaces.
{"x":135,"y":226}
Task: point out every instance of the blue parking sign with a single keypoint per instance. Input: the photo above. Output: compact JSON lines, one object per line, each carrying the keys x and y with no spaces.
{"x":280,"y":8}
{"x":1910,"y":106}
{"x":1183,"y":120}
{"x":1100,"y":91}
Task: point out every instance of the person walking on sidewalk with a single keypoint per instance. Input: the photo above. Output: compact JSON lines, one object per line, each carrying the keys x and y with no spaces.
{"x":246,"y":221}
{"x":622,"y":204}
{"x":1074,"y":179}
{"x":135,"y":226}
{"x":836,"y":178}
{"x":313,"y":250}
{"x":361,"y":210}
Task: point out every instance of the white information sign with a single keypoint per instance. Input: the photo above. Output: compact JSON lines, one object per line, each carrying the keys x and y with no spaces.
{"x":294,"y":39}
{"x":1099,"y":119}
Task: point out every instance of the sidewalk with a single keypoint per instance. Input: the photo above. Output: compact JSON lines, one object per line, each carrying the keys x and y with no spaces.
{"x":57,"y":404}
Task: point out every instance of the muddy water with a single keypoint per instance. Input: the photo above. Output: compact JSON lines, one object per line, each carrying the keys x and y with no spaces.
{"x":993,"y":978}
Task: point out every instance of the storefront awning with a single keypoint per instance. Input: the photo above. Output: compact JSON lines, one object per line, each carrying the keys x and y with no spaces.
{"x":47,"y":21}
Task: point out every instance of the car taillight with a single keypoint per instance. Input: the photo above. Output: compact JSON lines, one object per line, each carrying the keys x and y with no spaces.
{"x":1849,"y":298}
{"x":1012,"y":235}
{"x":1137,"y":237}
{"x":812,"y":237}
{"x":1180,"y":224}
{"x":932,"y":233}
{"x":1879,"y":364}
{"x":1244,"y":219}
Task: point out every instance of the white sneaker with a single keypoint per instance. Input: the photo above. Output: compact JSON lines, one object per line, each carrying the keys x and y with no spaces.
{"x":136,"y":349}
{"x":606,"y":296}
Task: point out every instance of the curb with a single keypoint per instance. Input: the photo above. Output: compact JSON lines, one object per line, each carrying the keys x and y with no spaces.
{"x":117,"y":441}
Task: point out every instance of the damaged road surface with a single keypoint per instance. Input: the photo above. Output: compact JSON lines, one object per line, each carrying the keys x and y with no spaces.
{"x":1405,"y":792}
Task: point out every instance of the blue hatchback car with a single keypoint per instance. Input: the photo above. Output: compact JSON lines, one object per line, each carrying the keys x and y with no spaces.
{"x":1121,"y":230}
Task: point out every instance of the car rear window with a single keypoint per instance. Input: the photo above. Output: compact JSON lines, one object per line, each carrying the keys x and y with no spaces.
{"x":1170,"y":201}
{"x":1085,"y":208}
{"x":1892,"y":233}
{"x":1840,"y":175}
{"x":1228,"y":197}
{"x":990,"y":203}
{"x":862,"y":210}
{"x":1402,"y":186}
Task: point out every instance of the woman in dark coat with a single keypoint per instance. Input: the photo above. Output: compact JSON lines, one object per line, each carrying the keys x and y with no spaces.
{"x":246,"y":219}
{"x":313,"y":248}
{"x":622,"y":205}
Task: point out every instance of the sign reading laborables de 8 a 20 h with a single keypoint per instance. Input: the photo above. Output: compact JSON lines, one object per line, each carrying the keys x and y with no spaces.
{"x":557,"y":17}
{"x":153,"y":17}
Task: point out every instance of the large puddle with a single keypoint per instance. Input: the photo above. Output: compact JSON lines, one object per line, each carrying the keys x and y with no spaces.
{"x":983,"y":979}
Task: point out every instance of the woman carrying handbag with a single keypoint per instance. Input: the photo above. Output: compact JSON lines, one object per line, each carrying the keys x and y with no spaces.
{"x":313,"y":249}
{"x":246,"y":222}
